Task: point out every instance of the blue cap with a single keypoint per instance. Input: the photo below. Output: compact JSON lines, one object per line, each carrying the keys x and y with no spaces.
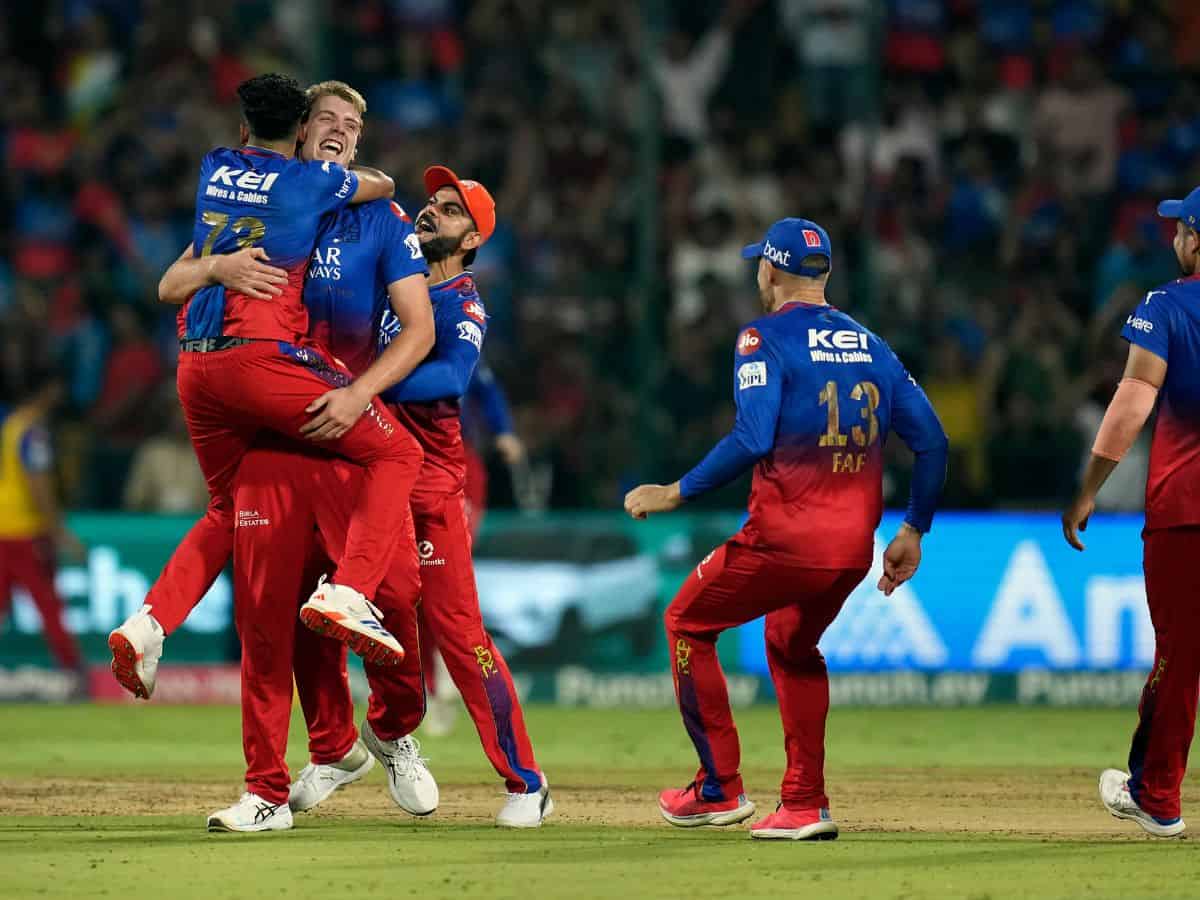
{"x":788,"y":242}
{"x":1187,"y":209}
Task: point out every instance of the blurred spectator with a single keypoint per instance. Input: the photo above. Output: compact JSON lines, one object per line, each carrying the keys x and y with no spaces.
{"x":989,"y":171}
{"x":164,"y":476}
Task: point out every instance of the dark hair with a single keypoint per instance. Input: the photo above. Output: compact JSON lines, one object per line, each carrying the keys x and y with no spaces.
{"x":272,"y":105}
{"x":469,"y":257}
{"x":815,"y":262}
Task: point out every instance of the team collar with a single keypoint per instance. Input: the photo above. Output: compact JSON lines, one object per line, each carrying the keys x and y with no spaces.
{"x":465,"y":273}
{"x":255,"y":150}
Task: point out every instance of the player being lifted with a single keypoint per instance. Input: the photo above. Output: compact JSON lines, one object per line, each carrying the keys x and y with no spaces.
{"x":1163,"y":366}
{"x":816,"y":396}
{"x":246,"y":364}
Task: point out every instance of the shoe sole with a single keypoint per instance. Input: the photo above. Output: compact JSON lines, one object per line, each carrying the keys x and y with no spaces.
{"x":546,"y":811}
{"x":372,"y":742}
{"x":368,"y":648}
{"x":1149,"y":826}
{"x":216,"y":826}
{"x":729,"y":817}
{"x":124,"y":665}
{"x":351,"y":777}
{"x":819,"y":831}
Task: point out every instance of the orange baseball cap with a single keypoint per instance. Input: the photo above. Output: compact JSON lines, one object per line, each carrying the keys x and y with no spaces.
{"x":475,"y":196}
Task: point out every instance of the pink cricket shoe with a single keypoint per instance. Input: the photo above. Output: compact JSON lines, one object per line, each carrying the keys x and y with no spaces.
{"x":686,"y":808}
{"x":796,"y":825}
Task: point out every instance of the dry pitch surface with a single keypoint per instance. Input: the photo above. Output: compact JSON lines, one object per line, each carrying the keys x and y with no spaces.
{"x":981,"y":804}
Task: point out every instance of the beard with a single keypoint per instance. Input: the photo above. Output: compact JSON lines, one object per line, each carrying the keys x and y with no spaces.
{"x":765,"y":299}
{"x":440,"y":248}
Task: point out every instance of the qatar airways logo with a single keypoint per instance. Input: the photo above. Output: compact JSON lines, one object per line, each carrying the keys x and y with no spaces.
{"x":326,"y":264}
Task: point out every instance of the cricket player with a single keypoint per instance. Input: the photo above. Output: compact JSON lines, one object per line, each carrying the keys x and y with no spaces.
{"x":816,"y":396}
{"x":293,"y":509}
{"x":31,"y":526}
{"x":1164,"y":368}
{"x":366,"y":259}
{"x":459,"y":217}
{"x":485,"y":398}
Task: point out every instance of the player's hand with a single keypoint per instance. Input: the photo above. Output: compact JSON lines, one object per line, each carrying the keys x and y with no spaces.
{"x":901,"y":559}
{"x":337,"y":411}
{"x":248,"y":273}
{"x":652,"y":498}
{"x":1075,"y":519}
{"x":511,"y":448}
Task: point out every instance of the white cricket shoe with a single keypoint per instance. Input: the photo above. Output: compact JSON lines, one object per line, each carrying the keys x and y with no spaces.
{"x":344,"y":614}
{"x":137,"y":646}
{"x":526,"y":810}
{"x":318,"y":780}
{"x":410,"y":782}
{"x":1114,"y":794}
{"x":252,"y":813}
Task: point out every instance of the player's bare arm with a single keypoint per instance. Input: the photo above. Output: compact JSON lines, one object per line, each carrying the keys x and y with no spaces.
{"x":372,"y":185}
{"x":338,"y":410}
{"x":1127,"y":412}
{"x":247,"y":271}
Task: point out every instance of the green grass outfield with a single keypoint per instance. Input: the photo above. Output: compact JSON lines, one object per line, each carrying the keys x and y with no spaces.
{"x":978,"y":804}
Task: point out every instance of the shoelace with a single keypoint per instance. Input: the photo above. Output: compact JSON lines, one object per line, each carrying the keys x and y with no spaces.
{"x":404,"y":758}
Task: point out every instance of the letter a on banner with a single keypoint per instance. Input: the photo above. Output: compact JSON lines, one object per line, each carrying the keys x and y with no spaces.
{"x":1027,"y":615}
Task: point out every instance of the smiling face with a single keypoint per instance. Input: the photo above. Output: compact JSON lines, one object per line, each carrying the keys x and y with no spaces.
{"x":332,"y":131}
{"x":444,"y":227}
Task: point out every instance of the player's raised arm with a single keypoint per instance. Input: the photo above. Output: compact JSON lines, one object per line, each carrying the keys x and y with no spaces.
{"x":1130,"y":407}
{"x":917,"y":423}
{"x":247,"y":271}
{"x":372,"y":185}
{"x":757,"y":391}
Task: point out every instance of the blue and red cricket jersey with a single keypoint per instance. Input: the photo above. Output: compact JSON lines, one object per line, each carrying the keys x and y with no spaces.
{"x":1167,"y":323}
{"x":817,"y":395}
{"x":428,"y":401}
{"x":253,"y":197}
{"x":360,"y":251}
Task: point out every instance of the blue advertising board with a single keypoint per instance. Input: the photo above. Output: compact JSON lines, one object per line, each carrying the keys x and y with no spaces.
{"x":996,"y":592}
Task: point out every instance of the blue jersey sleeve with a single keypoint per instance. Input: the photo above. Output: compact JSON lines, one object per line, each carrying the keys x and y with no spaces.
{"x":1149,"y":326}
{"x":326,"y":185}
{"x":401,"y":256}
{"x":486,"y":391}
{"x":757,"y":392}
{"x":917,"y":423}
{"x":446,"y":373}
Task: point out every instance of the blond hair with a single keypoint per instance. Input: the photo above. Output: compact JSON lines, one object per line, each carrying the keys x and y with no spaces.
{"x":334,"y":89}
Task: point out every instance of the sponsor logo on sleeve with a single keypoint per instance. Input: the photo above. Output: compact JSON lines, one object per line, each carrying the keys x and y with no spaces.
{"x":749,"y":341}
{"x":470,"y":332}
{"x":1139,"y":324}
{"x":250,"y":518}
{"x":414,"y":246}
{"x":474,"y":309}
{"x":344,"y":191}
{"x":752,"y":374}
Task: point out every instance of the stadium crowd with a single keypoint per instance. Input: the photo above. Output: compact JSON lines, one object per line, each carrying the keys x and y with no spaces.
{"x":988,"y":172}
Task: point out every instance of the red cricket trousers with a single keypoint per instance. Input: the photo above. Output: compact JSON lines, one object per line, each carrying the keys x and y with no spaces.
{"x":450,"y":611}
{"x":30,"y":564}
{"x":734,"y":585}
{"x":231,"y":396}
{"x":293,"y":514}
{"x":1158,"y":754}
